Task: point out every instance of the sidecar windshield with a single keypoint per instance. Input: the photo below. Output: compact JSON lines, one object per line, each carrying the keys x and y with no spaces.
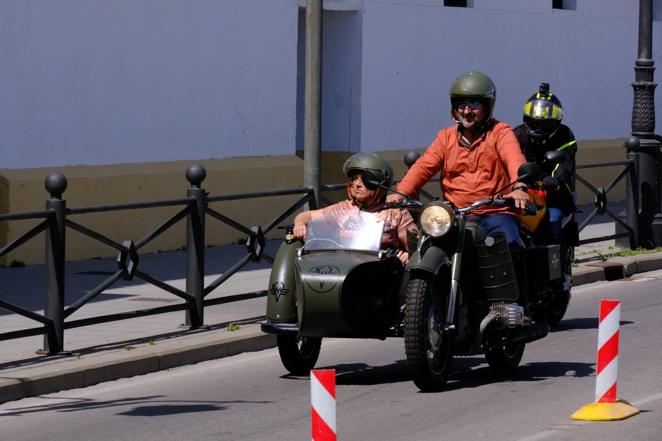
{"x":359,"y":231}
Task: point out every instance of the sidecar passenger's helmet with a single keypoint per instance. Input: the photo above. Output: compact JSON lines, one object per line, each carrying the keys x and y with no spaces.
{"x":474,"y":85}
{"x":542,"y":114}
{"x":372,"y":162}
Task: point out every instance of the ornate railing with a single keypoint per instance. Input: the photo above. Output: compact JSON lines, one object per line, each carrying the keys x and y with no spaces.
{"x":601,"y":202}
{"x":195,"y":208}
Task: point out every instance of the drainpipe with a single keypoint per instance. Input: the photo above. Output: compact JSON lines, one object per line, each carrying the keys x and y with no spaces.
{"x":313,"y":97}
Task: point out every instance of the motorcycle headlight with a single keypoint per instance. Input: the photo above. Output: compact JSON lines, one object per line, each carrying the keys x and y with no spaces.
{"x":436,"y":220}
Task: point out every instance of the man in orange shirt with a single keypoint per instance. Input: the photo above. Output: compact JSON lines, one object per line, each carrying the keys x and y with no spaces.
{"x":477,"y":157}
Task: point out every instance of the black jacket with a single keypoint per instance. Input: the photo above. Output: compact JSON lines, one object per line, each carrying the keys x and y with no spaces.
{"x":564,"y":140}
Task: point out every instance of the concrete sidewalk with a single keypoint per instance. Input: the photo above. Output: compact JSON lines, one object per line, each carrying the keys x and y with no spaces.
{"x":125,"y":348}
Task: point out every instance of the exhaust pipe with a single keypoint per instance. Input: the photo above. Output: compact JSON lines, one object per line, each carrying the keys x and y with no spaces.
{"x":529,"y":333}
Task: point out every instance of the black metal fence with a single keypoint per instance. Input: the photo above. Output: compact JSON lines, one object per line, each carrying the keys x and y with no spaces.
{"x":601,"y":202}
{"x":195,"y":208}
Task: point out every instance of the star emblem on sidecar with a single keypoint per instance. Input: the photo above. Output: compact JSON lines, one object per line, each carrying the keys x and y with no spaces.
{"x":278,"y":289}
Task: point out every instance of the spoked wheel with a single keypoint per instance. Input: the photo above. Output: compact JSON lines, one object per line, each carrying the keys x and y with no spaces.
{"x":506,"y":358}
{"x":428,"y":349}
{"x":298,"y":354}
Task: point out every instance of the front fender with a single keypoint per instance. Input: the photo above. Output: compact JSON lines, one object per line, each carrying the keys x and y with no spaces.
{"x":428,"y":258}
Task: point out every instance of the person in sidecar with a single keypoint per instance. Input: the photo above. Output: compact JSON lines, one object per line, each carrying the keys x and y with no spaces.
{"x":361,"y":199}
{"x":540,"y":132}
{"x":477,"y":156}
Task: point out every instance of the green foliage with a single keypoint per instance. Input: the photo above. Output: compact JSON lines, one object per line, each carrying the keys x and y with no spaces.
{"x":233,"y":327}
{"x":638,"y":251}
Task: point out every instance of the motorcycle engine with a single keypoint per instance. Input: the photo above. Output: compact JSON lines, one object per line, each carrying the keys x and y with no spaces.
{"x":508,"y":315}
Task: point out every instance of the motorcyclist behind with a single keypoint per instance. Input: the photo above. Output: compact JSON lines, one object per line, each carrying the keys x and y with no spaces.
{"x":540,"y":132}
{"x":360,"y":199}
{"x":477,"y":156}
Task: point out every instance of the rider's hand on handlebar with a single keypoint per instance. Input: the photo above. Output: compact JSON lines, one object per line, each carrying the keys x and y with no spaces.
{"x":299,"y":231}
{"x":394,"y":197}
{"x":519,"y":197}
{"x":403,"y":256}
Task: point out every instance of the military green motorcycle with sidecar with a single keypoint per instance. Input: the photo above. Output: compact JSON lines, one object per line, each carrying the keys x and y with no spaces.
{"x":457,"y":295}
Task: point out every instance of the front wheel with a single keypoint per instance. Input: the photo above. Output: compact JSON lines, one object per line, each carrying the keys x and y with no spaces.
{"x":298,"y":354}
{"x":428,"y":348}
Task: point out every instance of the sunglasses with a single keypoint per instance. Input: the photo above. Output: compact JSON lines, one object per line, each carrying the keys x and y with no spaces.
{"x":471,"y":105}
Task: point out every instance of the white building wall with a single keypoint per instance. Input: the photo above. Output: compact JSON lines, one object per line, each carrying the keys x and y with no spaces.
{"x":101,"y":82}
{"x":104,"y":82}
{"x":412,"y":51}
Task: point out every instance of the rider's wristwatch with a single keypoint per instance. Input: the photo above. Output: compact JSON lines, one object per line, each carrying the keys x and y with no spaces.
{"x":521,"y":187}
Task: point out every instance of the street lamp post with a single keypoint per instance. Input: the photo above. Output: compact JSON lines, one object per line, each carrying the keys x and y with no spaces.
{"x":644,"y":146}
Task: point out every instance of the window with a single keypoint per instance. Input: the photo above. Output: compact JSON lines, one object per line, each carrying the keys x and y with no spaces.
{"x":565,"y":4}
{"x":458,"y":3}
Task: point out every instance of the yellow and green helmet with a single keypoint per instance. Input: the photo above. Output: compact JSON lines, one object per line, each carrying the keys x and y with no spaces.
{"x":543,"y":113}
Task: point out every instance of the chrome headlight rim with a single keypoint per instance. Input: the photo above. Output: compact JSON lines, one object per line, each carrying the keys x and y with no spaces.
{"x":442,"y":228}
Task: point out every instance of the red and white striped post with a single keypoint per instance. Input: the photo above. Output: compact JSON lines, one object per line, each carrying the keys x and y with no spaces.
{"x":606,"y":407}
{"x":323,"y":400}
{"x":606,"y":380}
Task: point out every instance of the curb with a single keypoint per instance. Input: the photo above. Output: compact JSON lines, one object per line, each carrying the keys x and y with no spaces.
{"x":72,"y":373}
{"x":616,"y":268}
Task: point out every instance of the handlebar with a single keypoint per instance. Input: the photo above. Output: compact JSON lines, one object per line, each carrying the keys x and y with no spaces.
{"x":407,"y":204}
{"x":498,"y":201}
{"x":492,"y":202}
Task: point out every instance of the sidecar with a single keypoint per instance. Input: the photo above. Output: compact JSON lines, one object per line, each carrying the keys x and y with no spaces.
{"x":339,"y":283}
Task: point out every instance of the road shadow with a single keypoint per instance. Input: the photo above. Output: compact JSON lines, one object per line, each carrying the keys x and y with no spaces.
{"x":581,"y":323}
{"x":467,"y":372}
{"x":539,"y":371}
{"x":362,"y":374}
{"x":151,"y":405}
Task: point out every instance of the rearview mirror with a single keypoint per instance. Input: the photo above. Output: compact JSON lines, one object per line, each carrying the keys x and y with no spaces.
{"x":554,"y":157}
{"x":528,"y":173}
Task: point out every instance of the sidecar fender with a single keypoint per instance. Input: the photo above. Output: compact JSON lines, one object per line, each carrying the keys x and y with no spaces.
{"x":430,"y":259}
{"x":281,"y":297}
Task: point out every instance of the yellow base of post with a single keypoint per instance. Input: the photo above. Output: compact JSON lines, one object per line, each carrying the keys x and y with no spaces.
{"x":619,"y":410}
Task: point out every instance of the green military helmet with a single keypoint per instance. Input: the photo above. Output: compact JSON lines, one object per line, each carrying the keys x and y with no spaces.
{"x":474,"y":85}
{"x":543,"y":114}
{"x":373,"y":163}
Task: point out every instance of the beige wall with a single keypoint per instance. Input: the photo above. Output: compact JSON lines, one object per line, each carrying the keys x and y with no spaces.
{"x":600,"y":151}
{"x":23,"y":190}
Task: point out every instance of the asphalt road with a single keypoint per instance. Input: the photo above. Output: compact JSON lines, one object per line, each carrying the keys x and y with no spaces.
{"x":247,"y":397}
